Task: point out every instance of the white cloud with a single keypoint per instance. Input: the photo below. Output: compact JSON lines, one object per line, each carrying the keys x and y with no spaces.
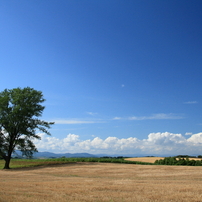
{"x":91,"y":121}
{"x":188,"y":133}
{"x":154,"y":117}
{"x":72,"y":121}
{"x":91,"y":113}
{"x":165,"y":138}
{"x":156,"y":144}
{"x":195,"y":139}
{"x":191,"y":102}
{"x":116,"y":118}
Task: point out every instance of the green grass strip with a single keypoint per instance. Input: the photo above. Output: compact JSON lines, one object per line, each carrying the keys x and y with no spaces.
{"x":21,"y":163}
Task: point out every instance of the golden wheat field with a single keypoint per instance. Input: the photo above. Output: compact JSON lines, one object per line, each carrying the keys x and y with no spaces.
{"x":145,"y":159}
{"x":101,"y":182}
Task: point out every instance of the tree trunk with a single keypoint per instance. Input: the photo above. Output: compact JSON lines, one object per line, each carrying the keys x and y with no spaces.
{"x":7,"y":162}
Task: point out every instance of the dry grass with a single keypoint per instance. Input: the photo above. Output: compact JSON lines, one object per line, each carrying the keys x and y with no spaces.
{"x":101,"y":182}
{"x":145,"y":159}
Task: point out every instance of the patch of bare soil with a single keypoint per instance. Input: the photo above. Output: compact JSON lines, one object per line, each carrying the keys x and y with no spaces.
{"x":101,"y":182}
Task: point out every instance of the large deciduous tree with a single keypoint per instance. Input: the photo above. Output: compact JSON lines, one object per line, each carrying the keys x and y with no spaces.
{"x":19,"y":123}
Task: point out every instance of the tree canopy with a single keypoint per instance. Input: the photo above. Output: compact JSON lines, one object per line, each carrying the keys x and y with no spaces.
{"x":19,"y":122}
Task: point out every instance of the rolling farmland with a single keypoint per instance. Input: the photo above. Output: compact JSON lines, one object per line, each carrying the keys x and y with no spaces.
{"x":86,"y":181}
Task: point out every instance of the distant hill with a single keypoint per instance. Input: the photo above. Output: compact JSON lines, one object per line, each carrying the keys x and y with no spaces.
{"x":67,"y":155}
{"x":54,"y":155}
{"x":81,"y":155}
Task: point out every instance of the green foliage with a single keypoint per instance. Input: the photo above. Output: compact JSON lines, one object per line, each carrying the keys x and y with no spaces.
{"x":20,"y":163}
{"x":178,"y":161}
{"x":185,"y":156}
{"x":19,"y":112}
{"x":103,"y":160}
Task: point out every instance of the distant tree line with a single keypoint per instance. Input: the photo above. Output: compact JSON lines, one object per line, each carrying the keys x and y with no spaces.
{"x":178,"y":161}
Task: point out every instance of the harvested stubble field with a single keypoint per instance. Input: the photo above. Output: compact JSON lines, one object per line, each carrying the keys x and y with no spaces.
{"x":101,"y":182}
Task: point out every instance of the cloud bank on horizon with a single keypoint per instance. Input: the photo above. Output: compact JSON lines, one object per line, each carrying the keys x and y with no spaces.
{"x":156,"y":144}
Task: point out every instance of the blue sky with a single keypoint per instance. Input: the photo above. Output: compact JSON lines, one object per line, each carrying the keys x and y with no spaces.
{"x":110,"y":71}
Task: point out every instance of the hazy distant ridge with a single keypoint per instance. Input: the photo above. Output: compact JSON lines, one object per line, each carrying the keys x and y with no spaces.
{"x":54,"y":155}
